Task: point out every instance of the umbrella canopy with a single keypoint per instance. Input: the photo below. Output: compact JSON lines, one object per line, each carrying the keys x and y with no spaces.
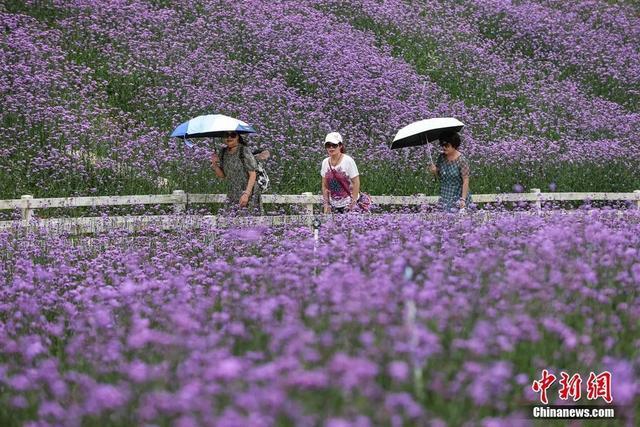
{"x":211,"y":125}
{"x":423,"y":131}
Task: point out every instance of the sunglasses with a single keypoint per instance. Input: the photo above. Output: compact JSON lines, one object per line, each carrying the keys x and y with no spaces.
{"x":331,"y":145}
{"x":230,"y":135}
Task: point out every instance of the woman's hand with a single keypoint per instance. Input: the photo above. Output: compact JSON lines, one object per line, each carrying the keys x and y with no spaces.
{"x":433,"y":169}
{"x":244,"y":199}
{"x":327,"y":209}
{"x":215,"y":160}
{"x":462,"y":204}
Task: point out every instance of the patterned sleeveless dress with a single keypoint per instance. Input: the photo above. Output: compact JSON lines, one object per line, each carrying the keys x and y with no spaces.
{"x":451,"y":174}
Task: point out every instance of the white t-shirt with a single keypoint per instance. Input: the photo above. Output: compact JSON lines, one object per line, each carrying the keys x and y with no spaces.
{"x":339,"y":180}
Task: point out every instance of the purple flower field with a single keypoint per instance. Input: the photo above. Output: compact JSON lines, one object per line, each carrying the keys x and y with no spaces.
{"x":384,"y":322}
{"x":90,"y":90}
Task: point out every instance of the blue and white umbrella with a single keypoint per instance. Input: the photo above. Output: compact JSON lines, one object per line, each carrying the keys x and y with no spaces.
{"x":211,"y":125}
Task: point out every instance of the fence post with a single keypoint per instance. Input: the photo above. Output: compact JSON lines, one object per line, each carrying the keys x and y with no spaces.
{"x":538,"y":202}
{"x":637,"y":193}
{"x":180,"y":201}
{"x":27,"y":212}
{"x":308,"y":206}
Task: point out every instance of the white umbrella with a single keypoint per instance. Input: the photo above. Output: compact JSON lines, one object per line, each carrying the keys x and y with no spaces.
{"x":424,"y":131}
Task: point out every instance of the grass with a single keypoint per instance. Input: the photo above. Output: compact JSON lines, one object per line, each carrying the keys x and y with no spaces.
{"x":382,"y":178}
{"x":377,"y":178}
{"x":42,"y":10}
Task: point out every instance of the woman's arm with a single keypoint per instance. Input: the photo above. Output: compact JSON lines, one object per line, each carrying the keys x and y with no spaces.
{"x":464,"y":172}
{"x":215,"y":164}
{"x":355,"y":191}
{"x":465,"y":190}
{"x":244,"y":199}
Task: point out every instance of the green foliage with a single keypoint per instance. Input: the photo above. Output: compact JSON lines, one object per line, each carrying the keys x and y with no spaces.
{"x":493,"y":27}
{"x":42,"y":10}
{"x":14,"y":417}
{"x":613,"y":90}
{"x":298,"y":177}
{"x":296,"y":79}
{"x":382,"y":178}
{"x":161,"y":4}
{"x":122,"y":89}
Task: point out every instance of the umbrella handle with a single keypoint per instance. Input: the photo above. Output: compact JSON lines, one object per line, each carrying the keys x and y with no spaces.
{"x":426,"y":142}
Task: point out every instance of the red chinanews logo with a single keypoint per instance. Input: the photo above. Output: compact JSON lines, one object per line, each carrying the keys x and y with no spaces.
{"x":598,"y":386}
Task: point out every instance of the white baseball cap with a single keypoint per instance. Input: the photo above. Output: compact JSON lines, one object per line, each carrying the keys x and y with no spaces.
{"x":333,"y":137}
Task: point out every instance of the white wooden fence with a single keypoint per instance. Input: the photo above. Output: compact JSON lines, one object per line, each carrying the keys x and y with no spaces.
{"x":179,"y":199}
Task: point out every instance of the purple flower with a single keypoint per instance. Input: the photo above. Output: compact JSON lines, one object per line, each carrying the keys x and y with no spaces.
{"x":227,"y":368}
{"x":352,"y":372}
{"x":399,"y":370}
{"x":19,"y":401}
{"x":104,"y":397}
{"x":624,"y":383}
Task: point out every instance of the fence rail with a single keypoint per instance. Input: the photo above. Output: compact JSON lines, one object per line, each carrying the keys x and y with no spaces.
{"x":136,"y":223}
{"x":179,"y":199}
{"x":152,"y":222}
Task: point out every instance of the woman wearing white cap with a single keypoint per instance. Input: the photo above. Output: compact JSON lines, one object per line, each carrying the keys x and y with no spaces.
{"x":340,"y":177}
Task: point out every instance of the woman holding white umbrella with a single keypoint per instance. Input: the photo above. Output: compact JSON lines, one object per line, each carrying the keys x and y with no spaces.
{"x":452,"y":168}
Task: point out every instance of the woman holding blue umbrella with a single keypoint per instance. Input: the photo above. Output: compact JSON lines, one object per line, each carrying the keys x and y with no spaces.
{"x":236,"y":164}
